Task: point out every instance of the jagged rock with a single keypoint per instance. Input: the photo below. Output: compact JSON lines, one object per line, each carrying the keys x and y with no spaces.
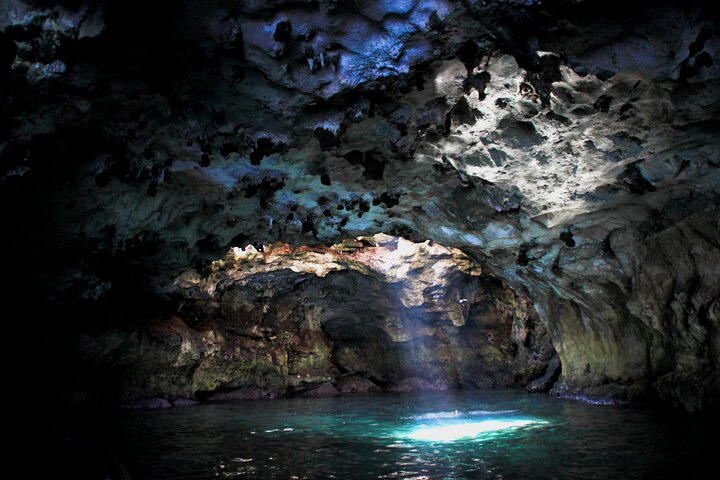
{"x":413,"y":384}
{"x":546,"y":382}
{"x":288,"y":320}
{"x":356,"y":384}
{"x":243,"y":393}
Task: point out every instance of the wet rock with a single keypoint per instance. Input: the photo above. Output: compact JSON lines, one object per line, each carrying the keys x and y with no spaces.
{"x":546,"y":382}
{"x":147,"y":404}
{"x":356,"y":384}
{"x":608,"y":394}
{"x":414,"y":384}
{"x":254,"y":330}
{"x":243,"y":393}
{"x":324,"y":390}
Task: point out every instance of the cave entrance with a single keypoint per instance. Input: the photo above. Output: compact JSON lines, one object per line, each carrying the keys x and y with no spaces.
{"x":377,"y":313}
{"x":366,"y":314}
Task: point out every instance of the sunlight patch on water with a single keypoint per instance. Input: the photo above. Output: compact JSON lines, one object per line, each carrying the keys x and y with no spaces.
{"x":457,"y":413}
{"x":457,"y":431}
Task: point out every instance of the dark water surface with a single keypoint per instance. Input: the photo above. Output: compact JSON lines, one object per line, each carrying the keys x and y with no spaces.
{"x":387,"y":436}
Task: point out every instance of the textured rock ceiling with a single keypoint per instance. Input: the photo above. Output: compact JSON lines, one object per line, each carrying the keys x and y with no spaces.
{"x":571,"y":147}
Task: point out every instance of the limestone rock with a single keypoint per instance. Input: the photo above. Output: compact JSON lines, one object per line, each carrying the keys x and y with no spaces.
{"x":294,"y":320}
{"x":546,"y":382}
{"x":413,"y":384}
{"x":243,"y":393}
{"x":324,"y":390}
{"x":356,"y":384}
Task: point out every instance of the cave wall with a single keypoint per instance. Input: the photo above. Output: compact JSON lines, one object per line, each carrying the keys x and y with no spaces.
{"x":636,"y":317}
{"x":569,"y":147}
{"x":357,"y":317}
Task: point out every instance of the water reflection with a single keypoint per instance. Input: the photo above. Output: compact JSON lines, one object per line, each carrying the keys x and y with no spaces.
{"x":468,"y":430}
{"x":504,"y":433}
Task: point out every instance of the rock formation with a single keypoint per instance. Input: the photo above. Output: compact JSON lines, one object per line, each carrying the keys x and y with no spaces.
{"x":568,"y":148}
{"x":378,"y":314}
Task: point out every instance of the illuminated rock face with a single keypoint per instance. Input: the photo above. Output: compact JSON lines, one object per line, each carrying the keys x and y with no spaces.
{"x":381,"y":313}
{"x":570,"y":149}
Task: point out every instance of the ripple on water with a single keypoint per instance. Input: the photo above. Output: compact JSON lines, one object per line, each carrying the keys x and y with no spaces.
{"x":366,"y":437}
{"x":457,"y":413}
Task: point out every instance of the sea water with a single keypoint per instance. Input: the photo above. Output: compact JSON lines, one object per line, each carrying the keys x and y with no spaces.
{"x":436,"y":435}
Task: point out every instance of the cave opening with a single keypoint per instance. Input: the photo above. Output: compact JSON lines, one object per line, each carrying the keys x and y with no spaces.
{"x":370,"y":314}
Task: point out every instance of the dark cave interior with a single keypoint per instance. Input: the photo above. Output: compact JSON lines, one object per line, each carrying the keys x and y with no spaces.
{"x":234,"y":200}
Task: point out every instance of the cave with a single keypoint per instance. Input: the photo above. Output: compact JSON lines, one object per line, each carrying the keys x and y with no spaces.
{"x":362,"y":239}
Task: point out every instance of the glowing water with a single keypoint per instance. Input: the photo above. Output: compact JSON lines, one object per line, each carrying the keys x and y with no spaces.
{"x":456,"y":431}
{"x":468,"y":434}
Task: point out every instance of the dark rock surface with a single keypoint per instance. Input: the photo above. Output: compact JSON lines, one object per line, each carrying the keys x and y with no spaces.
{"x":568,"y":147}
{"x":547,"y":381}
{"x":356,"y":384}
{"x":147,"y":404}
{"x":323,"y":390}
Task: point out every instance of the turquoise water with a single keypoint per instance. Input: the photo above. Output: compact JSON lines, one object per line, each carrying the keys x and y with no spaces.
{"x":438,"y":435}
